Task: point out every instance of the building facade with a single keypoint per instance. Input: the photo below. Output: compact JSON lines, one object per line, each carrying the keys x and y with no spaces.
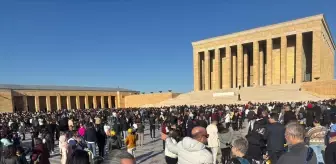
{"x":49,"y":98}
{"x":290,"y":52}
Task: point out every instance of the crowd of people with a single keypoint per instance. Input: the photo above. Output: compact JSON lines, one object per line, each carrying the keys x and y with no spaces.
{"x":277,"y":132}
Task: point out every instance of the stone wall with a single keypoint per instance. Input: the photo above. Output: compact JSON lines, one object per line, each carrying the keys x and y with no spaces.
{"x":6,"y":102}
{"x":143,"y":99}
{"x":326,"y":88}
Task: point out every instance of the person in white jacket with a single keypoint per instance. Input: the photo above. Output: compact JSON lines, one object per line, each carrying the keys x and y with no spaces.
{"x":192,"y":150}
{"x":171,"y":158}
{"x":227,"y":119}
{"x":213,"y":141}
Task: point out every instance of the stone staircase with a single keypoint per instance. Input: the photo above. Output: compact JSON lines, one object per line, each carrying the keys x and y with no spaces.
{"x":283,"y":93}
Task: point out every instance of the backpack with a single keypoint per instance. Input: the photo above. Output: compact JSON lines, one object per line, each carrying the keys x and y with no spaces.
{"x":243,"y":161}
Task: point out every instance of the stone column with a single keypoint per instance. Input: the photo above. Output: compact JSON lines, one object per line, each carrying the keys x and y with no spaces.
{"x":48,"y":103}
{"x":298,"y":61}
{"x":256,"y":67}
{"x":25,"y":103}
{"x":228,"y":72}
{"x":109,"y":101}
{"x":269,"y":47}
{"x":58,"y":100}
{"x":234,"y":71}
{"x":118,"y":100}
{"x":68,"y":102}
{"x":246,"y":67}
{"x":102,"y":103}
{"x":78,"y":102}
{"x":197,"y":70}
{"x":283,"y":61}
{"x":95,"y":102}
{"x":207,"y":69}
{"x":217,"y":74}
{"x":37,"y":104}
{"x":240,"y":62}
{"x":87,"y":105}
{"x":261,"y":68}
{"x":316,"y":55}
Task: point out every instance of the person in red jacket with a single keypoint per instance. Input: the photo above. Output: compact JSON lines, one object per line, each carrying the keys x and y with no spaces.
{"x":40,"y":153}
{"x":164,"y":131}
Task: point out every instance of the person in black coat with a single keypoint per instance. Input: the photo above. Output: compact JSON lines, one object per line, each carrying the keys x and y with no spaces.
{"x":201,"y":122}
{"x":190,"y":126}
{"x":256,"y":138}
{"x":317,"y":112}
{"x":63,"y":123}
{"x":124,"y":126}
{"x":309,"y":117}
{"x":289,"y":115}
{"x":330,"y":152}
{"x":101,"y":139}
{"x":90,"y":137}
{"x":275,"y":136}
{"x":152,"y":120}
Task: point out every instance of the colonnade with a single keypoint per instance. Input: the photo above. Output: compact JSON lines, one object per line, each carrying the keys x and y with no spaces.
{"x":280,"y":60}
{"x":38,"y":103}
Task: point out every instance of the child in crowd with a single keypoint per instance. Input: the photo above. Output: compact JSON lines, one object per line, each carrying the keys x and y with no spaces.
{"x":131,"y":142}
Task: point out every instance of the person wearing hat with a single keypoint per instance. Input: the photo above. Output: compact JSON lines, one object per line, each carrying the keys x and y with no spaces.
{"x":112,"y":141}
{"x":130,"y":142}
{"x":330,"y":152}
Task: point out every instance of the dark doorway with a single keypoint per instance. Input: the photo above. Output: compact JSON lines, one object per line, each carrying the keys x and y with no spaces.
{"x":53,"y":103}
{"x":64,"y":102}
{"x":82,"y":102}
{"x":31,"y":103}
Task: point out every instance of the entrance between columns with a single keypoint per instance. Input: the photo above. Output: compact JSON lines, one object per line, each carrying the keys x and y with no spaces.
{"x":113,"y":101}
{"x":31,"y":103}
{"x":234,"y":77}
{"x":202,"y":70}
{"x":90,"y":101}
{"x":106,"y":101}
{"x":82,"y":102}
{"x":248,"y":64}
{"x":53,"y":103}
{"x":43,"y":103}
{"x":222,"y":57}
{"x":18,"y":103}
{"x":73,"y":102}
{"x":212,"y":61}
{"x":64,"y":102}
{"x":263,"y":62}
{"x":276,"y":62}
{"x":290,"y":59}
{"x":98,"y":100}
{"x":307,"y":43}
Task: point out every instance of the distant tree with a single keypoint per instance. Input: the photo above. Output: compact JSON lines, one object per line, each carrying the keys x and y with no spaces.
{"x":143,"y":92}
{"x":151,"y":92}
{"x":160,"y":91}
{"x":169,"y":90}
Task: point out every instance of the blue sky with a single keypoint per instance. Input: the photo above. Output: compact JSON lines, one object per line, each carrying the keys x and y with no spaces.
{"x":143,"y":45}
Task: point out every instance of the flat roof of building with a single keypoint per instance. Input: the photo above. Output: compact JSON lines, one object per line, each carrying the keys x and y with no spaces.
{"x":61,"y":88}
{"x":272,"y":26}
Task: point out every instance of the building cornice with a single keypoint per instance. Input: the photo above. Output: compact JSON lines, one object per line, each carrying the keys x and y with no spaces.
{"x":264,"y":28}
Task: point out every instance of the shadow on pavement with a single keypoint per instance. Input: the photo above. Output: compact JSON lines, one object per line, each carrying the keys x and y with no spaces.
{"x":150,"y":156}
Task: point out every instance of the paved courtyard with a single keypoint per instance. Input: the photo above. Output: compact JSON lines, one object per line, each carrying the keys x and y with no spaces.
{"x":150,"y":153}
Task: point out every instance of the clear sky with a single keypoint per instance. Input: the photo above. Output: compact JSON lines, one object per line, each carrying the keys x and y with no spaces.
{"x":143,"y":45}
